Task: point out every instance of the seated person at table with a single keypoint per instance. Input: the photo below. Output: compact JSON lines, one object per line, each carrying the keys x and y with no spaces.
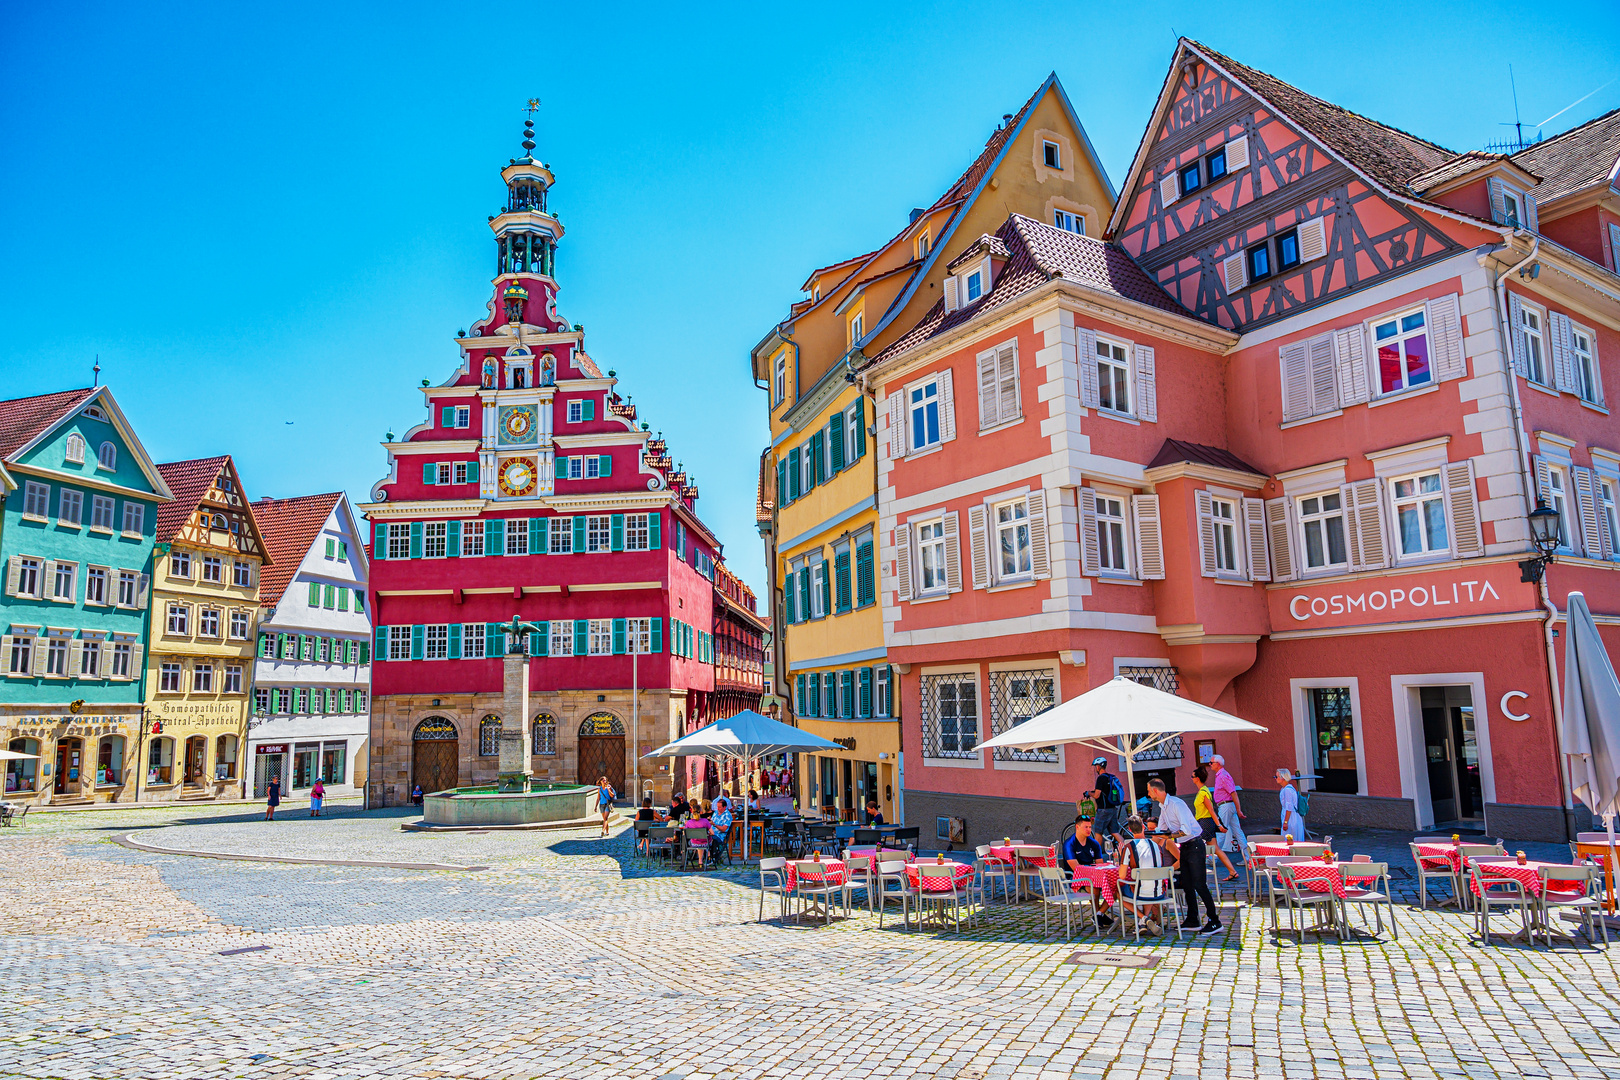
{"x":1082,"y":849}
{"x":646,"y":811}
{"x":677,"y":806}
{"x":698,"y":831}
{"x":874,"y":816}
{"x":753,"y":800}
{"x":1140,"y":850}
{"x":720,"y":823}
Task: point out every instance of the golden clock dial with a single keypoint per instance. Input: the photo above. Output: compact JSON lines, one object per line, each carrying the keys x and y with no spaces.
{"x":517,"y":477}
{"x":519,"y":422}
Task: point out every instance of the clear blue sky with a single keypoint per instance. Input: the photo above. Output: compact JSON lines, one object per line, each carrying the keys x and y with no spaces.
{"x":270,"y":213}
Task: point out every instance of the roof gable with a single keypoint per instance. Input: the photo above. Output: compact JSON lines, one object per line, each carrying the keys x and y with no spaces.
{"x":1583,"y":157}
{"x":291,"y":528}
{"x":196,"y":482}
{"x":34,"y":433}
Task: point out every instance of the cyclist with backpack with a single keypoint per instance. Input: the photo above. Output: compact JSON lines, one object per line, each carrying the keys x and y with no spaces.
{"x":1109,"y":795}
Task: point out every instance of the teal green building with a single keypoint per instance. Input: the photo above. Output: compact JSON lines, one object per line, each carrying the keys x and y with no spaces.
{"x":76,"y":537}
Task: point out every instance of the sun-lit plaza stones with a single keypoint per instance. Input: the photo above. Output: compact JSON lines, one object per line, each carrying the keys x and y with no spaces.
{"x":566,"y":958}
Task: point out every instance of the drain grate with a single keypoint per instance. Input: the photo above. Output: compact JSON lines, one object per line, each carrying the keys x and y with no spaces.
{"x":1113,"y":959}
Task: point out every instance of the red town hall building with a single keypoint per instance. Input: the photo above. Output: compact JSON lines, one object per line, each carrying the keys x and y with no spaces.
{"x":530,"y":491}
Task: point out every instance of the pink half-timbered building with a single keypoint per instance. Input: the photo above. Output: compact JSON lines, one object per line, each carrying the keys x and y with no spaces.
{"x":1272,"y":444}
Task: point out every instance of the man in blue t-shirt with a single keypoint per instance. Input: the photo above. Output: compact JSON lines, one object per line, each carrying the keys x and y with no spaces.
{"x":1082,"y":849}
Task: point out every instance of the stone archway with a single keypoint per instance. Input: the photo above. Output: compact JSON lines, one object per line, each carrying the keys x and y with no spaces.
{"x":601,"y":750}
{"x":435,"y":755}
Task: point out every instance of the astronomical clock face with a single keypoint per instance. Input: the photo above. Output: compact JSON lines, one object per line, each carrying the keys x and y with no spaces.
{"x":517,"y":476}
{"x":517,"y":423}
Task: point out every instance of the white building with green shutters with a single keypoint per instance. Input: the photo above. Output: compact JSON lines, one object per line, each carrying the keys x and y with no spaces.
{"x":312,"y":677}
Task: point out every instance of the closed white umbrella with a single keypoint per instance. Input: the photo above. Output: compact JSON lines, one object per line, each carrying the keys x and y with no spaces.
{"x":1591,"y":717}
{"x":12,"y":755}
{"x":1119,"y":717}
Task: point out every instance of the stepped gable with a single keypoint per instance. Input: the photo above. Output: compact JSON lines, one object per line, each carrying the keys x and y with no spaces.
{"x":289,"y":528}
{"x":22,"y":419}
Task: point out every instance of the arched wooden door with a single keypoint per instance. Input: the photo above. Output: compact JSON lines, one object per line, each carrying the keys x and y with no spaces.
{"x":601,"y":751}
{"x":435,"y":755}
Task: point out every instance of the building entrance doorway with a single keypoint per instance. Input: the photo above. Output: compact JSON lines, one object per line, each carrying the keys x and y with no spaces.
{"x":435,"y":755}
{"x":601,"y":753}
{"x":196,"y":759}
{"x":1451,"y":748}
{"x":69,"y":759}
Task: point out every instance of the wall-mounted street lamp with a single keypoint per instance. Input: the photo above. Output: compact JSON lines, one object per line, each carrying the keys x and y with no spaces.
{"x":1544,"y":534}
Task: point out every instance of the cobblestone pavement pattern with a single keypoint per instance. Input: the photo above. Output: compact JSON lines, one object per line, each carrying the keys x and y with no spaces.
{"x":567,"y":959}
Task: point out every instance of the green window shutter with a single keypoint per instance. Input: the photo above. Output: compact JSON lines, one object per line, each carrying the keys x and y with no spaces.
{"x":579,"y":534}
{"x":359,"y":600}
{"x":365,"y":647}
{"x":343,"y":551}
{"x":846,"y":684}
{"x":537,"y":536}
{"x":794,"y":473}
{"x":282,"y":645}
{"x":343,"y":599}
{"x":866,"y":693}
{"x":328,"y":597}
{"x":452,"y":539}
{"x":545,"y":639}
{"x":616,"y":531}
{"x":865,"y":586}
{"x":788,"y":596}
{"x":841,"y":572}
{"x":331,"y":547}
{"x":562,"y":467}
{"x":860,"y":427}
{"x":618,"y":637}
{"x":800,"y":704}
{"x":534,"y":643}
{"x":455,"y":641}
{"x":655,"y":523}
{"x":826,"y":592}
{"x":495,"y":536}
{"x":582,"y":642}
{"x":494,"y":640}
{"x":314,"y":594}
{"x":447,"y":416}
{"x":813,"y":701}
{"x":418,"y":633}
{"x":804,"y":594}
{"x":606,"y":468}
{"x":264,"y":644}
{"x":818,"y":463}
{"x":781,"y":483}
{"x":587,"y":409}
{"x":835,"y":442}
{"x":416,"y":539}
{"x":379,"y":540}
{"x":657,"y":643}
{"x":430,"y":472}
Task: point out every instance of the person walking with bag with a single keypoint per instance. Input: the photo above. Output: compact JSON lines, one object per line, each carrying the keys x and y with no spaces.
{"x":1228,"y":811}
{"x":1109,"y":795}
{"x":317,"y":797}
{"x":272,"y":798}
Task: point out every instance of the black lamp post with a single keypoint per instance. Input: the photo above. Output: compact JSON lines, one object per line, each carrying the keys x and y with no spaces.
{"x":1544,"y":534}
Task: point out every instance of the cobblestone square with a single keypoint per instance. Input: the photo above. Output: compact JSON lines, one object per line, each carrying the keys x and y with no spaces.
{"x":567,"y":958}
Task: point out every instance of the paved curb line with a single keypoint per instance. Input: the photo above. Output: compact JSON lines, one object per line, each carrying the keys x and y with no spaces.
{"x":536,"y":826}
{"x":46,"y":808}
{"x":135,"y":845}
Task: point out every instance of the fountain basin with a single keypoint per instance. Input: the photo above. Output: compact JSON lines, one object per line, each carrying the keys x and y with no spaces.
{"x":485,"y":806}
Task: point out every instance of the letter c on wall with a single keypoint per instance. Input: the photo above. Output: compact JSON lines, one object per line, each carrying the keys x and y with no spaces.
{"x":1509,"y":713}
{"x":1293,"y":607}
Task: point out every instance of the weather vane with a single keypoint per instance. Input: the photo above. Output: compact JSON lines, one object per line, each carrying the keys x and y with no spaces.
{"x":534,"y":106}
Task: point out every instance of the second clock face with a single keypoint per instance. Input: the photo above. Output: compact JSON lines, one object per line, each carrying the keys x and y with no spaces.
{"x":517,"y":476}
{"x":518,"y":423}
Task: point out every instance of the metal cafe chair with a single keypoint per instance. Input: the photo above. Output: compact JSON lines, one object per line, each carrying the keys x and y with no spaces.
{"x":773,"y":879}
{"x":894,"y":885}
{"x":824,"y":838}
{"x":1496,"y":891}
{"x":1380,"y":893}
{"x":1055,"y":892}
{"x":865,"y":837}
{"x":1298,"y":900}
{"x":1164,"y":899}
{"x":1586,"y":903}
{"x":907,"y":837}
{"x":661,"y":842}
{"x":1441,"y":873}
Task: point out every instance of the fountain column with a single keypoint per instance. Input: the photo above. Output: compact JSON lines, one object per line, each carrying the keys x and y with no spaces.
{"x":514,"y":767}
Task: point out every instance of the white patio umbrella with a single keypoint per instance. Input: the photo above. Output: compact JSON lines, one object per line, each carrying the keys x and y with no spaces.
{"x":12,"y":755}
{"x":1591,"y":717}
{"x":1119,"y":717}
{"x":743,"y":737}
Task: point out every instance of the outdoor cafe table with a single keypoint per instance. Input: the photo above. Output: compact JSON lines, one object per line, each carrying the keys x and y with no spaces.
{"x":833,"y":874}
{"x":1326,"y":877}
{"x":1527,"y":874}
{"x":1006,"y":853}
{"x":961,"y":873}
{"x":1433,"y":855}
{"x":1103,"y":876}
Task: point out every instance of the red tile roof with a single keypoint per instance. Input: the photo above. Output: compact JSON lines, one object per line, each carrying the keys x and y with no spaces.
{"x":1174,"y":450}
{"x":189,"y":480}
{"x":21,"y":419}
{"x":1459,"y":166}
{"x":1579,"y":158}
{"x":289,"y":528}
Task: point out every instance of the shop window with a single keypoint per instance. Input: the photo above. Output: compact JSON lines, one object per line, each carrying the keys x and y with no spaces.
{"x":1016,"y":696}
{"x":334,"y":763}
{"x":225,"y":758}
{"x":23,"y":773}
{"x":1333,"y":736}
{"x":489,"y":736}
{"x":950,"y":715}
{"x":110,"y":760}
{"x":305,"y":757}
{"x":160,"y":761}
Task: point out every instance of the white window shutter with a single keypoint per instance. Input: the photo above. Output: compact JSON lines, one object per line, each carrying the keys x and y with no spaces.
{"x":1149,"y":537}
{"x":1531,"y":220}
{"x":1296,"y":381}
{"x":950,"y":294}
{"x":143,"y":589}
{"x":5,"y":651}
{"x":953,"y":552}
{"x":1586,"y":502}
{"x":1563,"y":358}
{"x":1543,"y":479}
{"x":1169,"y":189}
{"x":1280,"y":536}
{"x":1040,"y":557}
{"x":47,"y":579}
{"x":1147,"y":393}
{"x":1254,"y":534}
{"x":1369,"y":550}
{"x":978,"y":553}
{"x":1235,"y":272}
{"x":1605,"y":538}
{"x":902,"y":562}
{"x":1206,"y":532}
{"x":947,"y":408}
{"x":1090,"y":553}
{"x":1313,"y":239}
{"x":75,"y":658}
{"x":1237,"y":154}
{"x":1521,"y":354}
{"x":1350,"y":354}
{"x":989,"y":397}
{"x":13,"y":575}
{"x":897,"y":425}
{"x":1444,"y":319}
{"x":1324,"y":375}
{"x":1498,"y":200}
{"x":985,"y":280}
{"x":1462,"y":502}
{"x":1008,"y":407}
{"x":42,"y":652}
{"x":1086,"y":350}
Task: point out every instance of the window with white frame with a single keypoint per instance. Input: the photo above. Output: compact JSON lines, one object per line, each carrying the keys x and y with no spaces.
{"x":1069,"y":222}
{"x":973,"y":285}
{"x":239,"y":625}
{"x":101,"y":512}
{"x":574,"y":468}
{"x":923,"y":409}
{"x":208,"y":623}
{"x":90,"y":658}
{"x":56,"y":657}
{"x":562,"y":637}
{"x":28,"y":572}
{"x":20,"y":660}
{"x":232,"y":683}
{"x":69,"y":507}
{"x":128,"y":586}
{"x":466,"y":472}
{"x":931,"y":557}
{"x":1321,"y":526}
{"x":436,"y":641}
{"x":1607,"y":508}
{"x":1113,"y":553}
{"x":1011,"y":522}
{"x":472,"y":538}
{"x":472,"y":641}
{"x":433,"y":539}
{"x":1420,"y":514}
{"x":950,"y":715}
{"x":63,"y":583}
{"x":261,"y":700}
{"x":576,"y":411}
{"x":1582,"y":359}
{"x":1512,"y":206}
{"x":598,"y":532}
{"x":36,"y":499}
{"x":923,"y":242}
{"x":562,"y":535}
{"x":95,"y":585}
{"x":74,"y":450}
{"x":179,"y":619}
{"x":1052,"y":154}
{"x":638,"y":635}
{"x":442,"y":473}
{"x":882,"y":689}
{"x":1113,"y":376}
{"x":213,"y":568}
{"x":122,"y":654}
{"x":399,"y":540}
{"x":180,"y":564}
{"x":637,"y":533}
{"x":855,"y":329}
{"x":517,"y":536}
{"x":241,"y":573}
{"x":1402,"y":344}
{"x":463,"y":416}
{"x":399,"y":643}
{"x":169,"y":676}
{"x":601,"y":637}
{"x":1224,"y":513}
{"x":781,"y":376}
{"x":134,"y":517}
{"x":1535,"y":348}
{"x":818,"y":586}
{"x":107,"y":456}
{"x":202,"y":678}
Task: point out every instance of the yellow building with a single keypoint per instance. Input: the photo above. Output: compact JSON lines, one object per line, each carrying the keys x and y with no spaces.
{"x":204,"y":612}
{"x":818,"y":507}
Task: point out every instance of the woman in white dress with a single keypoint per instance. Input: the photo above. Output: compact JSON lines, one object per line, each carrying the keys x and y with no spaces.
{"x":1293,"y":823}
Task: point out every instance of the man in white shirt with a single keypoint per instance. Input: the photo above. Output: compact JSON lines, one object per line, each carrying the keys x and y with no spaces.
{"x":1177,"y":819}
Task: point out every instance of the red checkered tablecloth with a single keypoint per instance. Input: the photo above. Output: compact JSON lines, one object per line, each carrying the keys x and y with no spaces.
{"x":961,"y":873}
{"x":1527,"y":874}
{"x":1434,"y":855}
{"x":832,"y":873}
{"x":1104,"y":877}
{"x":1005,"y":854}
{"x":1325,"y":877}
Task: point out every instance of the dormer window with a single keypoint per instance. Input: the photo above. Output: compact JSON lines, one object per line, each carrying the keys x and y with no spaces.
{"x":922,"y":246}
{"x":1053,"y":154}
{"x":973,"y":285}
{"x":1511,"y":206}
{"x":855,"y":330}
{"x":1068,"y":222}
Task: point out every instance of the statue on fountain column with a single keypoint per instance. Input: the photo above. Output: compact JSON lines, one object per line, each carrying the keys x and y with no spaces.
{"x":514,"y":772}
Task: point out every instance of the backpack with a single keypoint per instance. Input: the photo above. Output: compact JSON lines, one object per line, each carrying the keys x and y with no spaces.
{"x":1112,"y":794}
{"x":1304,"y":808}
